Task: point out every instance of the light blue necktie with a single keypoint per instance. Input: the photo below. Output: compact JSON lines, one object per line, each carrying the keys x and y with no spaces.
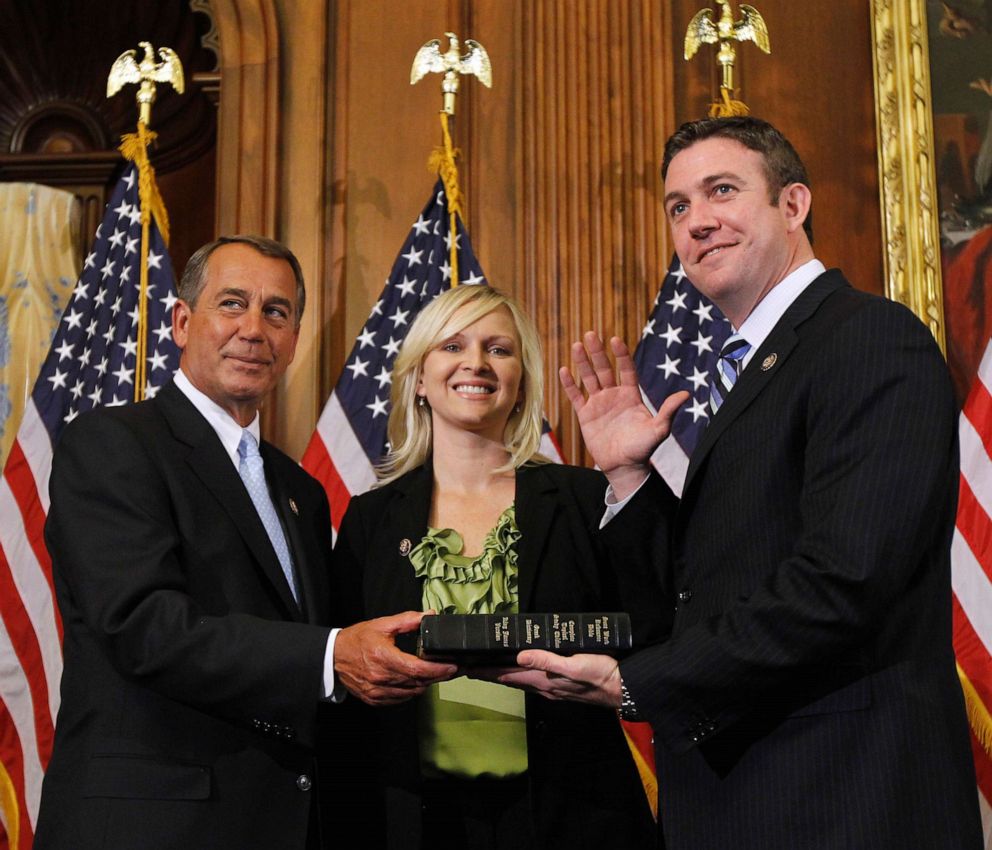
{"x":728,"y":369}
{"x":252,"y":472}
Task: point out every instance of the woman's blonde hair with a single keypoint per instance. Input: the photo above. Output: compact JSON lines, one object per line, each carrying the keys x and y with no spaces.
{"x":410,"y":430}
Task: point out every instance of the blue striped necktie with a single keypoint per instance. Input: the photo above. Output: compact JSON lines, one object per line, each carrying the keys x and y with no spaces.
{"x":728,"y":369}
{"x":252,"y":471}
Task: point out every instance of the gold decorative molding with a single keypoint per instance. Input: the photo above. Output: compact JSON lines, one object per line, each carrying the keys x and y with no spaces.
{"x":907,"y":177}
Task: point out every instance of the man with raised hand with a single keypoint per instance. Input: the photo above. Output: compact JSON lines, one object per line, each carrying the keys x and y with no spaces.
{"x":807,"y":696}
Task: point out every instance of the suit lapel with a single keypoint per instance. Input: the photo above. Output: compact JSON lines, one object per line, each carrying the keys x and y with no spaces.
{"x":210,"y":463}
{"x":766,"y":364}
{"x":536,"y":501}
{"x":403,"y":527}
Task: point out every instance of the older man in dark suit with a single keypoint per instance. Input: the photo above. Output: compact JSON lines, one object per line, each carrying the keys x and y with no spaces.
{"x":807,"y":696}
{"x":191,"y":568}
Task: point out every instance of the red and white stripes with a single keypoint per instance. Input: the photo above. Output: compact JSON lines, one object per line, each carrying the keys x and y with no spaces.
{"x":30,"y":631}
{"x":971,"y":578}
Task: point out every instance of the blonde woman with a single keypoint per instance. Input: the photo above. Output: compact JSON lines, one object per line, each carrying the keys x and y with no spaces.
{"x":468,"y":517}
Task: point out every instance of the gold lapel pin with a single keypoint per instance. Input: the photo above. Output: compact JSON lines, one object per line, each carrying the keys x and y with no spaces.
{"x":293,"y":508}
{"x":405,"y":546}
{"x":768,"y":362}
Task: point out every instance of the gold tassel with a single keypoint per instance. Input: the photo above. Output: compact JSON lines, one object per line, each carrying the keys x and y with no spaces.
{"x":727,"y":107}
{"x":134,"y":146}
{"x":10,"y":807}
{"x":442,"y":162}
{"x":978,"y":713}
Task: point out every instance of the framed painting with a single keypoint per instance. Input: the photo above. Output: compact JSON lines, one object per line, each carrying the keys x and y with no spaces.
{"x":933,"y":100}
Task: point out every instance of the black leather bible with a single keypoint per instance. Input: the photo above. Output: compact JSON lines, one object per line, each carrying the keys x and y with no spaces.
{"x":495,"y":639}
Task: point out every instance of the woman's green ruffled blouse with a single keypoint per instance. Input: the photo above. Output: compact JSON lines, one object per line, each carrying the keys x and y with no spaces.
{"x":469,"y":728}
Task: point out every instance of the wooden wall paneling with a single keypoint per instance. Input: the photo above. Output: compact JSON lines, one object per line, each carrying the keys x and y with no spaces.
{"x":592,"y":100}
{"x":302,"y":193}
{"x":816,"y":86}
{"x":188,"y":193}
{"x":248,"y":120}
{"x":332,"y":314}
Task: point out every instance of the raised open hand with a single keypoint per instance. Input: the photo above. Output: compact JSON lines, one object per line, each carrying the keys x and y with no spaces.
{"x":618,"y":428}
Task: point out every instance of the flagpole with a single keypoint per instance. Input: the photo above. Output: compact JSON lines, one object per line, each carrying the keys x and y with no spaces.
{"x":134,"y":146}
{"x":452,"y":64}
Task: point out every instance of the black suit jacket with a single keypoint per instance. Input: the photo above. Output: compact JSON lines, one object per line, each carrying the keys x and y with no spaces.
{"x":584,"y":787}
{"x":808,"y":696}
{"x":191,"y":684}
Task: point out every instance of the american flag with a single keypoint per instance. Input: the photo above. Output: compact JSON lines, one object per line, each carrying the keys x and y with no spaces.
{"x":971,"y":578}
{"x":677,"y":351}
{"x":351,"y":433}
{"x":91,"y":363}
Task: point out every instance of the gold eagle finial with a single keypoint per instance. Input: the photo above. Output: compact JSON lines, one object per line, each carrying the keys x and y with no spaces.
{"x":703,"y":29}
{"x":430,"y":59}
{"x":126,"y":69}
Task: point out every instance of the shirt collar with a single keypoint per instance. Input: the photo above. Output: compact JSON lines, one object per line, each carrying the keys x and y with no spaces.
{"x":763,"y":318}
{"x":227,"y":428}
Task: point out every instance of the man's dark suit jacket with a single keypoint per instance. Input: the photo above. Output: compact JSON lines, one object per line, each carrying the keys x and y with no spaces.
{"x":192,"y":679}
{"x":807,"y":697}
{"x":585,"y":791}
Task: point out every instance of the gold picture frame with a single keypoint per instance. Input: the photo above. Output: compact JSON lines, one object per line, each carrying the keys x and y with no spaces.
{"x":906,"y":167}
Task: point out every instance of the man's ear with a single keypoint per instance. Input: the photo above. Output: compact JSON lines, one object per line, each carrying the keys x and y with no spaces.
{"x":794,"y":201}
{"x":181,"y":312}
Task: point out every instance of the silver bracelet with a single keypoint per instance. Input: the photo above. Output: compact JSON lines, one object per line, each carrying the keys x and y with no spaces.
{"x":628,"y":709}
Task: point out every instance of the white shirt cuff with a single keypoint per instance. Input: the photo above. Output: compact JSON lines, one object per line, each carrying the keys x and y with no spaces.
{"x":613,"y":507}
{"x":330,"y":693}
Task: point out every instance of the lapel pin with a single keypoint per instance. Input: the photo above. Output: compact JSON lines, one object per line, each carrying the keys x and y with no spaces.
{"x":405,"y":546}
{"x":768,"y":362}
{"x":293,"y":508}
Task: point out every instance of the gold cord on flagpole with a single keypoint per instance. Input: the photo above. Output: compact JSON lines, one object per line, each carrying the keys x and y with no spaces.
{"x":442,"y":162}
{"x":134,"y":146}
{"x":704,"y":29}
